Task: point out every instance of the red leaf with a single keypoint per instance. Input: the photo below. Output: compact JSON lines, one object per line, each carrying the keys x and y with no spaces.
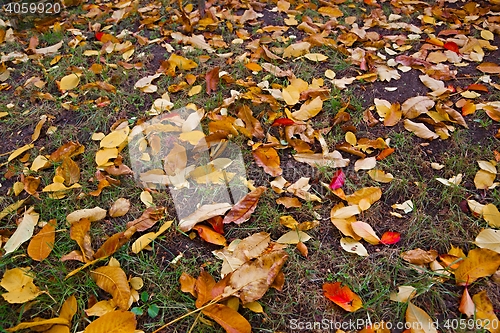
{"x":452,"y":46}
{"x":98,"y":35}
{"x":342,"y":296}
{"x":283,"y":122}
{"x":477,"y":87}
{"x":337,"y":180}
{"x":212,"y":78}
{"x":390,"y":237}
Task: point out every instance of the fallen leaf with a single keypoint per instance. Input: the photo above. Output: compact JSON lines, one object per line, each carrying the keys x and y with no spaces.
{"x":268,"y":159}
{"x":380,"y":176}
{"x":69,"y":82}
{"x":120,"y":207}
{"x":420,"y":130}
{"x":489,"y":67}
{"x":338,"y":180}
{"x":293,"y":237}
{"x":342,"y":296}
{"x":479,"y":263}
{"x":228,"y":318}
{"x":353,"y":246}
{"x":365,"y":164}
{"x":491,"y":215}
{"x":485,"y":314}
{"x":390,"y":237}
{"x":23,"y":232}
{"x":113,"y":322}
{"x":19,"y":285}
{"x":419,"y":320}
{"x":365,"y":231}
{"x":148,"y":218}
{"x":114,"y":281}
{"x":242,"y":210}
{"x":419,"y":256}
{"x":489,"y":239}
{"x":42,"y":243}
{"x":93,"y":214}
{"x":147,"y":199}
{"x":143,"y":241}
{"x":467,"y":306}
{"x":404,"y":294}
{"x":203,"y":213}
{"x":212,"y":80}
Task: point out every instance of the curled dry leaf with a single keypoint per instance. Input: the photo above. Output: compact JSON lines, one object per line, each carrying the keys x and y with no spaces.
{"x":93,"y":214}
{"x":419,"y":256}
{"x":143,"y":241}
{"x":203,"y":213}
{"x":148,"y":218}
{"x":242,"y":210}
{"x":23,"y":232}
{"x":268,"y":159}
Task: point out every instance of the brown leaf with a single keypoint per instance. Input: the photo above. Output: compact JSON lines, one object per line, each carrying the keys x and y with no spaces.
{"x":113,"y":322}
{"x":253,"y":126}
{"x":212,"y":79}
{"x":119,"y":208}
{"x":268,"y":159}
{"x":489,"y":67}
{"x":203,"y":213}
{"x":242,"y":210}
{"x":419,"y":256}
{"x":148,"y":218}
{"x":228,"y":318}
{"x":31,"y":184}
{"x":42,"y":243}
{"x":253,"y":278}
{"x":113,"y":280}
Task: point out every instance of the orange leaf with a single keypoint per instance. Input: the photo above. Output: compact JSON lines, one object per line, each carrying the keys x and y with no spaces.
{"x":390,"y":237}
{"x":216,"y":223}
{"x":148,"y":218}
{"x":42,"y":243}
{"x":254,"y":67}
{"x":477,"y":87}
{"x":485,"y":314}
{"x":203,"y":287}
{"x":210,"y":235}
{"x":113,"y":243}
{"x":212,"y":78}
{"x":244,"y":208}
{"x":342,"y":296}
{"x":268,"y":159}
{"x":467,"y":306}
{"x":228,"y":318}
{"x":468,"y":108}
{"x":384,"y":153}
{"x":187,"y":283}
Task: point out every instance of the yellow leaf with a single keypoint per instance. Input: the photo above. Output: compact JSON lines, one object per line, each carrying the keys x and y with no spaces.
{"x":309,"y":109}
{"x":69,"y":82}
{"x":330,"y":11}
{"x":146,"y":239}
{"x":485,"y":314}
{"x":329,"y":74}
{"x":115,"y":138}
{"x":484,"y":179}
{"x":11,"y":208}
{"x":316,"y":57}
{"x":192,"y":137}
{"x":195,"y":90}
{"x":19,"y":151}
{"x":181,"y":62}
{"x":491,"y":215}
{"x":114,"y":281}
{"x":38,"y":128}
{"x":479,"y":263}
{"x":103,"y":155}
{"x":404,"y":294}
{"x":350,"y":138}
{"x":42,"y":322}
{"x":254,"y":307}
{"x":254,"y":67}
{"x":228,"y":318}
{"x":373,"y":194}
{"x":19,"y":284}
{"x":380,"y":176}
{"x":419,"y":320}
{"x":147,"y":199}
{"x":296,"y":50}
{"x":291,"y":95}
{"x":101,"y":308}
{"x":489,"y":239}
{"x":294,"y":237}
{"x":40,"y":162}
{"x":113,"y":322}
{"x":346,"y":212}
{"x":488,"y":35}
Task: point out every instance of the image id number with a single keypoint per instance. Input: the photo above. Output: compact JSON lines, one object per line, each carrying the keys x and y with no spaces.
{"x":19,"y":8}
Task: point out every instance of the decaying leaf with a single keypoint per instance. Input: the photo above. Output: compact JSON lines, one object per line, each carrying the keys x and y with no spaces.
{"x":19,"y":285}
{"x":203,"y":213}
{"x":23,"y":232}
{"x":242,"y":210}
